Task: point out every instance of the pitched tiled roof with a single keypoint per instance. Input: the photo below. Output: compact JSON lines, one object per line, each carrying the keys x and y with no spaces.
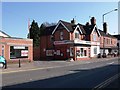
{"x":69,"y":26}
{"x":82,"y":28}
{"x":107,"y":35}
{"x":88,"y":29}
{"x":49,"y":30}
{"x":4,"y":33}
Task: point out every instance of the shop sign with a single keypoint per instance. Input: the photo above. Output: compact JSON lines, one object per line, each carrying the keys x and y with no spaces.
{"x":24,"y":52}
{"x":63,"y":42}
{"x":19,"y":47}
{"x":82,"y":42}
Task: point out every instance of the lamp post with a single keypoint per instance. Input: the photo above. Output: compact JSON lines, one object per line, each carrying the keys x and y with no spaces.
{"x":108,"y":13}
{"x":104,"y":28}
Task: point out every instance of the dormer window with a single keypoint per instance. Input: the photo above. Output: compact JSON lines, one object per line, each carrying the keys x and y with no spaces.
{"x":77,"y":34}
{"x":61,"y":35}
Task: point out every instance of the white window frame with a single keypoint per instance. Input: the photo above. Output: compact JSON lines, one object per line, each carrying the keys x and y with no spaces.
{"x":61,"y":35}
{"x":82,"y":53}
{"x":77,"y":32}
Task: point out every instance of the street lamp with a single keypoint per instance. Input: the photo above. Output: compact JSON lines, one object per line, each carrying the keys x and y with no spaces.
{"x":108,"y":13}
{"x":104,"y":28}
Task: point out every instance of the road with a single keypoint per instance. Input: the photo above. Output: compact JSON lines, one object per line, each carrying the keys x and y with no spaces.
{"x":89,"y":75}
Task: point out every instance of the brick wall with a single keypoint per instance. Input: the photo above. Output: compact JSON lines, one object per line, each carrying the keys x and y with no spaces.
{"x":108,"y":42}
{"x":36,"y":53}
{"x":7,"y":42}
{"x":66,"y":35}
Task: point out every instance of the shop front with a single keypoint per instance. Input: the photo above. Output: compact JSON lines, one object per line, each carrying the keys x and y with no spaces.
{"x":75,"y":49}
{"x":14,"y":49}
{"x":67,"y":50}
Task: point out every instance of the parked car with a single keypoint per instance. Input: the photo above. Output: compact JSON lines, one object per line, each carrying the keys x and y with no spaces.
{"x":2,"y":61}
{"x":104,"y":55}
{"x":99,"y":55}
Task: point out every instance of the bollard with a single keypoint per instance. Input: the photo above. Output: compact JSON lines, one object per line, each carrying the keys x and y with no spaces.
{"x":19,"y":63}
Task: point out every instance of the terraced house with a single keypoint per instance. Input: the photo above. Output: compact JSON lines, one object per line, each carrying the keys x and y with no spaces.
{"x":70,"y":40}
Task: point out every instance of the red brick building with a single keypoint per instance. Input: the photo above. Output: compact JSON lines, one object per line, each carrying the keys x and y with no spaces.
{"x":15,"y":48}
{"x":108,"y":42}
{"x":70,"y":40}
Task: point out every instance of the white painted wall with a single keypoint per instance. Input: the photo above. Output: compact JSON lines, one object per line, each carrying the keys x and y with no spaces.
{"x":92,"y":51}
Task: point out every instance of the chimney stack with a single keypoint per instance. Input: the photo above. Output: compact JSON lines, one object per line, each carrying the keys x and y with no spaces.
{"x":87,"y":23}
{"x":93,"y":21}
{"x":73,"y":21}
{"x":105,"y":27}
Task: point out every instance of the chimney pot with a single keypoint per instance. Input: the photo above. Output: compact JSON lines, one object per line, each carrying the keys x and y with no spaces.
{"x":73,"y":21}
{"x":87,"y":24}
{"x":93,"y":21}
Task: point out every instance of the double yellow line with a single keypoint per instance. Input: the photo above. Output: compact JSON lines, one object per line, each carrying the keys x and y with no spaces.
{"x":15,"y":71}
{"x":107,"y":82}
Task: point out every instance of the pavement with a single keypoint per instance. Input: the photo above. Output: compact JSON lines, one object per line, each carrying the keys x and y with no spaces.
{"x":28,"y":66}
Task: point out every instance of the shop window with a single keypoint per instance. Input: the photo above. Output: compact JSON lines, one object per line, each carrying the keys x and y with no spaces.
{"x":49,"y":52}
{"x":58,"y":52}
{"x":81,"y":51}
{"x":78,"y":53}
{"x":18,"y":52}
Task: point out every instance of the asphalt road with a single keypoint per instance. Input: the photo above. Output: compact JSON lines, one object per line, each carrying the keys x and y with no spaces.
{"x":89,"y":75}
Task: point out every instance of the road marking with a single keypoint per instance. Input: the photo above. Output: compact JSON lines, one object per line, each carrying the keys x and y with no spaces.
{"x":110,"y":63}
{"x":34,"y":69}
{"x":106,"y":82}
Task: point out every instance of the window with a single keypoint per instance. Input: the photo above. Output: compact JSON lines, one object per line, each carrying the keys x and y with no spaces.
{"x":95,"y":50}
{"x":49,"y":52}
{"x":51,"y":38}
{"x":85,"y":53}
{"x":111,"y":41}
{"x":81,"y":51}
{"x":18,"y":52}
{"x":77,"y":34}
{"x":61,"y":35}
{"x":58,"y":52}
{"x":94,"y":37}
